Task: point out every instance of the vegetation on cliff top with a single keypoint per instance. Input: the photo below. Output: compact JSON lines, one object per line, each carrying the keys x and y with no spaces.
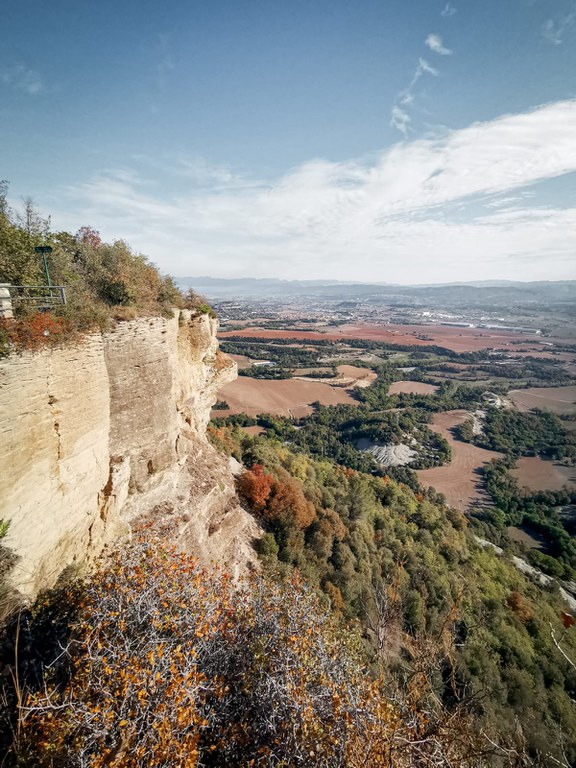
{"x":103,"y":281}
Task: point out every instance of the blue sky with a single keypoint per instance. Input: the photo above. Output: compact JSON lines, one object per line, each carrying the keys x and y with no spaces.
{"x":400,"y":140}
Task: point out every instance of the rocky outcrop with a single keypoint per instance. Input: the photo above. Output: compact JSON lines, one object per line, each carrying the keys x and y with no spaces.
{"x":96,"y":435}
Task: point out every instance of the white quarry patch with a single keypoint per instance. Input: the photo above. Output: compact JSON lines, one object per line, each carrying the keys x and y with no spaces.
{"x":485,"y":544}
{"x":478,"y":418}
{"x":535,"y":573}
{"x":390,"y":455}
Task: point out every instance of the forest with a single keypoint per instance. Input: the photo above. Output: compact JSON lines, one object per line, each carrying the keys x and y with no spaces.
{"x":389,"y":557}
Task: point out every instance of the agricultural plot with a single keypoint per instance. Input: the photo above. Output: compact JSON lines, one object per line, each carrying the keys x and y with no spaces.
{"x":540,"y":475}
{"x":412,"y":387}
{"x":558,"y":400}
{"x":288,"y":397}
{"x":459,"y":480}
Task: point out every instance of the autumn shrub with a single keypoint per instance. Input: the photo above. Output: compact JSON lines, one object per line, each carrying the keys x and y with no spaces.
{"x":278,"y":500}
{"x":36,"y":330}
{"x":170,"y":664}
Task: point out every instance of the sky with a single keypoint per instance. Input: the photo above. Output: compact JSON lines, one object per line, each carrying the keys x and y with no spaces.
{"x":404,"y":141}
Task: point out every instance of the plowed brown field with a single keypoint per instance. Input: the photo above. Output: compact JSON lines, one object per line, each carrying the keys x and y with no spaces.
{"x":539,"y":475}
{"x":458,"y":481}
{"x":287,"y":397}
{"x":555,"y":399}
{"x":412,"y":387}
{"x":457,"y":339}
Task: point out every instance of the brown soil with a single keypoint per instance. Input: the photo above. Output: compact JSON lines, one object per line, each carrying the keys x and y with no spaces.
{"x":355,"y":376}
{"x":241,"y":360}
{"x":459,"y":480}
{"x":523,"y":537}
{"x":539,"y":475}
{"x":412,"y":387}
{"x":253,"y":431}
{"x":457,"y":339}
{"x":288,"y":397}
{"x":555,"y":399}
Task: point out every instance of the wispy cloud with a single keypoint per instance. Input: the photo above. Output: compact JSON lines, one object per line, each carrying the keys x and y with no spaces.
{"x":555,"y":29}
{"x":423,"y":68}
{"x":22,"y":79}
{"x":400,"y":118}
{"x":418,"y":212}
{"x":434,"y":42}
{"x":448,"y":10}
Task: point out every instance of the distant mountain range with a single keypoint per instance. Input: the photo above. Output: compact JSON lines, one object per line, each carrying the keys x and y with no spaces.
{"x":475,"y":293}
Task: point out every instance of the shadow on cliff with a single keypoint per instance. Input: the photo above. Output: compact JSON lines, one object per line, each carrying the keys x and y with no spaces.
{"x":33,"y":639}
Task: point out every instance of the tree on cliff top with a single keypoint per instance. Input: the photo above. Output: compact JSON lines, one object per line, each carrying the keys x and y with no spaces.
{"x":104,"y":281}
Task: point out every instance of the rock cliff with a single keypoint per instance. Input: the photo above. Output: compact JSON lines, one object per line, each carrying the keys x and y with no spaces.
{"x":99,"y":434}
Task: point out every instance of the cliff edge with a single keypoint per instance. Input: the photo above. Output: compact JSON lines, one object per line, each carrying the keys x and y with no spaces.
{"x":100,"y":434}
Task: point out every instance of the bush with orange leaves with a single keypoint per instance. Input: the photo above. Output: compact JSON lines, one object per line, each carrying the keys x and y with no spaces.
{"x":176,"y":666}
{"x":33,"y":332}
{"x":277,"y":500}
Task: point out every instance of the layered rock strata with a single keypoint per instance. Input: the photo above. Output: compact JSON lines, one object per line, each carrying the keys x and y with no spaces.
{"x":96,"y":435}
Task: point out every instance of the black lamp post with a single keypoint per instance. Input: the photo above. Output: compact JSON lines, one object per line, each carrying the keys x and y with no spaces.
{"x":44,"y":249}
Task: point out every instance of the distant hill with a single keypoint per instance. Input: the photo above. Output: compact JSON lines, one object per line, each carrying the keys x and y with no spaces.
{"x":478,"y":293}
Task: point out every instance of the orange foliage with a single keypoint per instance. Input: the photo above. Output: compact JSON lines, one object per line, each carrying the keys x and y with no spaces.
{"x":567,"y":619}
{"x":41,"y":329}
{"x":255,"y":486}
{"x":288,"y":504}
{"x":279,"y":500}
{"x":174,"y":666}
{"x":518,"y":604}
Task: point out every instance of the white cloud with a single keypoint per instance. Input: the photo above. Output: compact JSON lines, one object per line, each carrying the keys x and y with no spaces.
{"x":400,"y":118}
{"x":448,"y":10}
{"x":22,"y":79}
{"x":407,"y":215}
{"x":422,"y":68}
{"x":434,"y":42}
{"x":554,"y":30}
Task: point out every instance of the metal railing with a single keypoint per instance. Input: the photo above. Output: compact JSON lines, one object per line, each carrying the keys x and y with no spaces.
{"x":41,"y":296}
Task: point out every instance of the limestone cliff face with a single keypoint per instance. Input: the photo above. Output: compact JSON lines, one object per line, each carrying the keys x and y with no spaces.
{"x":98,"y":434}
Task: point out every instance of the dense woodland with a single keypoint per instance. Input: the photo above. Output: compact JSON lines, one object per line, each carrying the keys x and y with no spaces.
{"x":401,"y":562}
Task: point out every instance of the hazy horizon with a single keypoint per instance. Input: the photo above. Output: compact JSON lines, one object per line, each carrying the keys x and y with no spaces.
{"x":411,"y":143}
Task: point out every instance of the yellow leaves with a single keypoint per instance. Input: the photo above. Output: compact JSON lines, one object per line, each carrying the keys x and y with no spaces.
{"x":204,"y":684}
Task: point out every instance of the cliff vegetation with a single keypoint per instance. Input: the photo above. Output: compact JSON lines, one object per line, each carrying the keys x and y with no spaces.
{"x":103,"y":281}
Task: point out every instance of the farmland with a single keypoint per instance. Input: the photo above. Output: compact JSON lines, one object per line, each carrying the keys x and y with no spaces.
{"x":403,"y":379}
{"x":537,"y":474}
{"x":455,"y":339}
{"x":459,"y":480}
{"x":412,"y":387}
{"x":291,"y":397}
{"x":559,"y":400}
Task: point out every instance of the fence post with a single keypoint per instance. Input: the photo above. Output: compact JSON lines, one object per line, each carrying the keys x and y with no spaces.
{"x":5,"y":301}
